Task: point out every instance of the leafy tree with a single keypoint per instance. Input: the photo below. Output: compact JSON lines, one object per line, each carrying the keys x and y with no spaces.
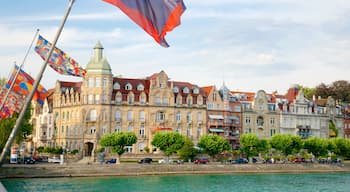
{"x":168,"y":142}
{"x":287,"y":144}
{"x":341,"y":90}
{"x":263,"y":146}
{"x":308,"y":92}
{"x":342,"y":147}
{"x":187,"y":151}
{"x":250,"y":144}
{"x":118,"y":141}
{"x":317,"y":146}
{"x":213,"y":144}
{"x":323,"y":90}
{"x":6,"y":126}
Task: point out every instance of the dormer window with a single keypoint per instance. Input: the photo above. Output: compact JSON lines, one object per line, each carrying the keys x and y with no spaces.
{"x":128,"y":86}
{"x":176,"y":89}
{"x":185,"y":90}
{"x":140,"y":87}
{"x":116,"y":86}
{"x":196,"y":90}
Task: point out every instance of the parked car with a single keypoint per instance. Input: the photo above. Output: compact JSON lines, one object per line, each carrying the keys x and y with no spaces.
{"x":240,"y":161}
{"x":145,"y":160}
{"x":165,"y":160}
{"x":299,"y":160}
{"x":54,"y":160}
{"x":201,"y":160}
{"x":111,"y":161}
{"x":180,"y":161}
{"x":29,"y":160}
{"x":41,"y":158}
{"x":258,"y":160}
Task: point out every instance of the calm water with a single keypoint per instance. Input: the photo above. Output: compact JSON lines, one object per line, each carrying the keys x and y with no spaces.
{"x":191,"y":183}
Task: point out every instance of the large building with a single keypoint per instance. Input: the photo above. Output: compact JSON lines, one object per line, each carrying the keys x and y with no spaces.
{"x":84,"y":111}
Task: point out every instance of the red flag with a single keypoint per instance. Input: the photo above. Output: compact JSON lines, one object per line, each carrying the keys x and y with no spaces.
{"x":13,"y":103}
{"x":156,"y":17}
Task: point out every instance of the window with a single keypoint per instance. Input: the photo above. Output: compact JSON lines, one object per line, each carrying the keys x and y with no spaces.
{"x":117,"y":128}
{"x":199,"y":132}
{"x":260,"y":121}
{"x":91,"y":99}
{"x":210,"y":106}
{"x":160,"y":116}
{"x":140,"y":87}
{"x":118,"y":98}
{"x":92,"y":130}
{"x":93,"y":115}
{"x":189,"y":117}
{"x":118,"y":115}
{"x":116,"y":86}
{"x":185,"y":90}
{"x":178,"y":116}
{"x":176,"y":89}
{"x":91,"y":82}
{"x":97,"y":82}
{"x":143,"y":99}
{"x":97,"y":99}
{"x":142,"y":116}
{"x":196,"y":90}
{"x":130,"y":99}
{"x":178,"y":130}
{"x":165,"y":101}
{"x":128,"y":149}
{"x":141,"y":147}
{"x":199,"y":116}
{"x":104,"y":130}
{"x":237,"y":109}
{"x":142,"y":131}
{"x":104,"y":82}
{"x":129,"y":116}
{"x":189,"y":131}
{"x":128,"y":86}
{"x":189,"y":102}
{"x":157,"y":100}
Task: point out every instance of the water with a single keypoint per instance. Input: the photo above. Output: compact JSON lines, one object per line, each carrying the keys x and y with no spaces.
{"x":324,"y":182}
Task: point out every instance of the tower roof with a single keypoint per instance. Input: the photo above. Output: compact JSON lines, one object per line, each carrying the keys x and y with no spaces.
{"x":98,"y":64}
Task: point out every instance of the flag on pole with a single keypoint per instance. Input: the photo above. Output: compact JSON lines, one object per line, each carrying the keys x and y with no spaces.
{"x":59,"y":61}
{"x":24,"y":84}
{"x":13,"y":103}
{"x":156,"y":17}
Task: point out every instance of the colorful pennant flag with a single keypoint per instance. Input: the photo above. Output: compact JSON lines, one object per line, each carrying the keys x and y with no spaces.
{"x":59,"y":60}
{"x":156,"y":17}
{"x":24,"y":84}
{"x":13,"y":103}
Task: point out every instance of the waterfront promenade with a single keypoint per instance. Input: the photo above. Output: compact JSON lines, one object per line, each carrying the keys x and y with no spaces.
{"x":134,"y":169}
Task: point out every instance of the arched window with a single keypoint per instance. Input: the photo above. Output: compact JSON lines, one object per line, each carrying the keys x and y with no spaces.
{"x":128,"y":86}
{"x":140,"y":87}
{"x":196,"y":90}
{"x":186,"y":90}
{"x":92,"y":115}
{"x":176,"y":89}
{"x":118,"y":115}
{"x":116,"y":86}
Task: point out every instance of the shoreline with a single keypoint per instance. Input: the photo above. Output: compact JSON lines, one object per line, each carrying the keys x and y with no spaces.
{"x":133,"y":169}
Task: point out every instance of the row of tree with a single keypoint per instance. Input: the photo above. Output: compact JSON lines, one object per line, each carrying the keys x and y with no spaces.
{"x":339,"y":90}
{"x":251,"y":145}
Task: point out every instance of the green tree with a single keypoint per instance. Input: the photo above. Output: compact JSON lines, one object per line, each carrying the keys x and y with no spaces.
{"x":6,"y":126}
{"x":168,"y":142}
{"x":118,"y":142}
{"x":187,"y":151}
{"x":213,"y":144}
{"x":263,"y":146}
{"x":308,"y":92}
{"x":317,"y":146}
{"x":341,"y":147}
{"x":250,"y":144}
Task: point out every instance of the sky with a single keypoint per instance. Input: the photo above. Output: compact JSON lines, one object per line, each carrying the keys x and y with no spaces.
{"x":248,"y":45}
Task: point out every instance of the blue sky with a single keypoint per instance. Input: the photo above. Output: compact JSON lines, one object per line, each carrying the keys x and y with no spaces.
{"x":248,"y":44}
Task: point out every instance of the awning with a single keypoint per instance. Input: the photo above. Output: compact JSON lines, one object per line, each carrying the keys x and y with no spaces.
{"x":161,"y":129}
{"x":216,"y":117}
{"x":213,"y":130}
{"x":236,"y":118}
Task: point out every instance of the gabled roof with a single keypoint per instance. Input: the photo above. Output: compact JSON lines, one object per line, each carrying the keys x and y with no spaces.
{"x":207,"y":89}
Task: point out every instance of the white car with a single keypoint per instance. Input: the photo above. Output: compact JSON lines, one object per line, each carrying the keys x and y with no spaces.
{"x":165,"y":161}
{"x":54,"y":160}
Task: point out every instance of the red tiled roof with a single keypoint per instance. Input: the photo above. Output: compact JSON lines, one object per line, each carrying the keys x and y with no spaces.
{"x":207,"y":90}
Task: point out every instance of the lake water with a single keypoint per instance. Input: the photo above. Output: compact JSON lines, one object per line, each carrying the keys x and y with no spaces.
{"x":325,"y":182}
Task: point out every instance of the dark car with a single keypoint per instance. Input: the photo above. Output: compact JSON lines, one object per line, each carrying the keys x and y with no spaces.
{"x":201,"y":160}
{"x":240,"y":161}
{"x":111,"y":161}
{"x":145,"y":160}
{"x":29,"y":160}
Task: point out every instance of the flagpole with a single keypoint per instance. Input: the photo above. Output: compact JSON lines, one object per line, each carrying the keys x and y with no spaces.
{"x":35,"y":86}
{"x":17,"y":72}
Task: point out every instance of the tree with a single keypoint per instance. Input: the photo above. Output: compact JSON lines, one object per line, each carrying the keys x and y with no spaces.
{"x":168,"y":142}
{"x":323,"y":90}
{"x":6,"y":126}
{"x":341,"y":147}
{"x":118,"y":141}
{"x":263,"y":146}
{"x":333,"y":128}
{"x":317,"y":146}
{"x":287,"y":144}
{"x":250,"y":144}
{"x":187,"y":151}
{"x":308,"y":92}
{"x":213,"y":144}
{"x":340,"y":90}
